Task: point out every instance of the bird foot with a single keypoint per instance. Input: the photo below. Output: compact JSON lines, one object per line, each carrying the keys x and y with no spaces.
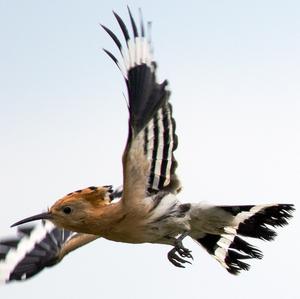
{"x":177,"y":254}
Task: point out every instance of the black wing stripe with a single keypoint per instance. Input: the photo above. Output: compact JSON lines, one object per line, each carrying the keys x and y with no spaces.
{"x":123,"y":27}
{"x":114,"y":37}
{"x":134,"y":28}
{"x":115,"y":60}
{"x":142,"y":23}
{"x":154,"y":152}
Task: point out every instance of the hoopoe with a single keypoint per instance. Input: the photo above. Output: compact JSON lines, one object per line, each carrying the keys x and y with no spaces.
{"x":146,"y":208}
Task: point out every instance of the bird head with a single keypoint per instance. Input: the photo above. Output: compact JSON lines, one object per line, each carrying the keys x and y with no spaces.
{"x":71,"y":211}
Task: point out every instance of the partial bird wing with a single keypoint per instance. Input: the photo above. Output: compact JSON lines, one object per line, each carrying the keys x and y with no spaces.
{"x":148,"y":161}
{"x":35,"y":248}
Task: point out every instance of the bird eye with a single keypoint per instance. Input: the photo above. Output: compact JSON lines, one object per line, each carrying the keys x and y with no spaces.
{"x":67,"y":210}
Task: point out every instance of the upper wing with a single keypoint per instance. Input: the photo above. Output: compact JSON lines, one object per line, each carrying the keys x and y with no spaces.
{"x":36,"y":247}
{"x":148,"y":161}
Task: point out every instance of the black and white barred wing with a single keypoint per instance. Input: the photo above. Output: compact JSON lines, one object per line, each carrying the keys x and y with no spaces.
{"x":148,"y":161}
{"x":35,"y":248}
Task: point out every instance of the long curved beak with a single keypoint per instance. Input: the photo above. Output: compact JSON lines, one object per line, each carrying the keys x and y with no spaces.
{"x":46,"y":215}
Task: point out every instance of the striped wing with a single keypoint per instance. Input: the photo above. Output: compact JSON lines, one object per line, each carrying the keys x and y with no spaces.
{"x":160,"y":141}
{"x":148,"y":161}
{"x":35,"y":248}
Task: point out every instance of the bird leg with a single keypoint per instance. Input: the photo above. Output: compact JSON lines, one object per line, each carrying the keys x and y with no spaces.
{"x":177,"y":254}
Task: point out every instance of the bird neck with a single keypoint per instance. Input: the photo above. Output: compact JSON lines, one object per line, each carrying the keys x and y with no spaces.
{"x":99,"y":221}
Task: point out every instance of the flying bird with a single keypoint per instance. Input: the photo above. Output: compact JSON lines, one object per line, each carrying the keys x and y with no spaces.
{"x":146,"y":209}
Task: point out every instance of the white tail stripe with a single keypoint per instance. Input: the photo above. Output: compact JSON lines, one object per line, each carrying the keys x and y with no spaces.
{"x":220,"y":254}
{"x":225,"y":241}
{"x":242,"y":216}
{"x":230,"y":230}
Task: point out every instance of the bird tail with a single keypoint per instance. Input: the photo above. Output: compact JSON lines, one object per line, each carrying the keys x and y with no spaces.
{"x":220,"y":230}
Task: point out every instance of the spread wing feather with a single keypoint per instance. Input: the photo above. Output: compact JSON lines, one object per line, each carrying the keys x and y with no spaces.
{"x":148,"y":161}
{"x":35,"y":248}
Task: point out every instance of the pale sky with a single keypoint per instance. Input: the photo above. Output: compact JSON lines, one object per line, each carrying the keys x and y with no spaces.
{"x":234,"y":70}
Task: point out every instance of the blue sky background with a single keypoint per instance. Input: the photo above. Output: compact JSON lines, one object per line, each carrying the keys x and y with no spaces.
{"x":234,"y":70}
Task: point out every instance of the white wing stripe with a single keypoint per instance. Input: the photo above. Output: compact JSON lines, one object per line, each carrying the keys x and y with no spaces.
{"x":27,"y":243}
{"x":137,"y":53}
{"x":170,"y":150}
{"x":160,"y":148}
